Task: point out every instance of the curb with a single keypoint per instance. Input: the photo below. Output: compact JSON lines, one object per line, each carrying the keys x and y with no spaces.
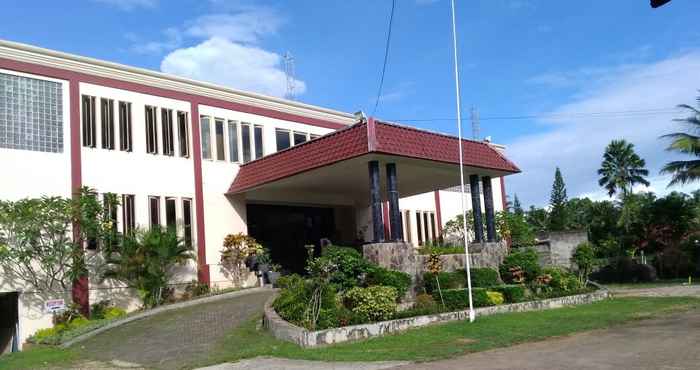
{"x":161,"y":309}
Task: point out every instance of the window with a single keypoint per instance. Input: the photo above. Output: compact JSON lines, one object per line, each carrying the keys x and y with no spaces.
{"x":206,"y":136}
{"x":282,"y":138}
{"x":91,"y":240}
{"x":107,"y":109}
{"x":31,"y":114}
{"x":151,"y":130}
{"x":187,"y":221}
{"x":407,"y":228}
{"x":232,"y":141}
{"x":89,"y":129}
{"x":432,"y":228}
{"x":125,"y":126}
{"x":166,"y":122}
{"x":299,"y":137}
{"x":109,"y":201}
{"x":245,"y":139}
{"x":128,"y":215}
{"x":313,"y":136}
{"x":427,"y":227}
{"x":154,"y":211}
{"x":183,"y":134}
{"x":170,"y":214}
{"x":418,"y":228}
{"x":258,"y":141}
{"x":219,"y":131}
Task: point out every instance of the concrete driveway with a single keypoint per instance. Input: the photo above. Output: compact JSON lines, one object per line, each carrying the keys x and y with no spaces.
{"x":669,"y":343}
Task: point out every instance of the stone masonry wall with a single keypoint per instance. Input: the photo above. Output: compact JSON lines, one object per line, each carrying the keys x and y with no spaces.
{"x":558,"y":248}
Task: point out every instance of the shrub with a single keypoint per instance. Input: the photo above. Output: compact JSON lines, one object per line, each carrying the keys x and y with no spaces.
{"x":47,"y":336}
{"x":112,"y":313}
{"x":511,"y":293}
{"x":78,"y":323}
{"x":401,"y":281}
{"x":458,"y":299}
{"x":484,"y":277}
{"x":424,"y":302}
{"x":67,"y":315}
{"x":376,"y":303}
{"x":583,"y":259}
{"x":495,"y":298}
{"x":351,"y":266}
{"x":287,"y":281}
{"x":624,"y":270}
{"x":448,"y":280}
{"x":196,"y":289}
{"x":97,"y":310}
{"x":562,"y":280}
{"x":293,"y":303}
{"x":525,"y":259}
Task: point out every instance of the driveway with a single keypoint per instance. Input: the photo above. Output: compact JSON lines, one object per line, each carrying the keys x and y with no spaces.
{"x":669,"y":343}
{"x":667,"y":291}
{"x":174,"y":339}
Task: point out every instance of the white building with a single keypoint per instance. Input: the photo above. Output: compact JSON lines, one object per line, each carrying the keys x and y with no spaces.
{"x":217,"y":161}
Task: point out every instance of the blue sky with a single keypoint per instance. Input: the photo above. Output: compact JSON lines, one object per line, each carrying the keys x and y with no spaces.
{"x":559,"y":62}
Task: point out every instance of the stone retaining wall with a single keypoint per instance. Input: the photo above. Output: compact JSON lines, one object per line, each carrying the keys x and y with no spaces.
{"x":284,"y":330}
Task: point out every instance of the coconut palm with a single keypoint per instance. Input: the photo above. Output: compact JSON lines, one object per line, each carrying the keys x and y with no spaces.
{"x":621,"y":168}
{"x":685,"y":143}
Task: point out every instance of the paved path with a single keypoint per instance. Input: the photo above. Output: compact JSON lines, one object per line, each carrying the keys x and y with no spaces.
{"x":267,"y":363}
{"x":669,"y":343}
{"x":174,"y":339}
{"x":668,"y":291}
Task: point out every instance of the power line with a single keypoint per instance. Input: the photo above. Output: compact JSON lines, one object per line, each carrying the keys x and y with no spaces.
{"x":386,"y":56}
{"x":610,"y":114}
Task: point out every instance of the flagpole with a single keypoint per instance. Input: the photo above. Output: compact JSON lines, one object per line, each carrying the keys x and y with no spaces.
{"x":461,"y":164}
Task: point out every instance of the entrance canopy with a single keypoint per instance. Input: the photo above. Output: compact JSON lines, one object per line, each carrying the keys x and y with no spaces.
{"x":333,"y":169}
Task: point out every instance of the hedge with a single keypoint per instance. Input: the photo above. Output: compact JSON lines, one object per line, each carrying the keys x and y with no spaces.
{"x":481,"y":278}
{"x":511,"y":293}
{"x":458,"y":299}
{"x":484,"y":277}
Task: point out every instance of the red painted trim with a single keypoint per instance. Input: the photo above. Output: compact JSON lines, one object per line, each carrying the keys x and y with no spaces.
{"x":202,"y":266}
{"x":438,"y":213}
{"x":371,"y":135}
{"x":151,"y":90}
{"x":387,"y":227}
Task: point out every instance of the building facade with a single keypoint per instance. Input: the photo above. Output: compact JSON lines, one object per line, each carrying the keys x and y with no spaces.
{"x":195,"y":156}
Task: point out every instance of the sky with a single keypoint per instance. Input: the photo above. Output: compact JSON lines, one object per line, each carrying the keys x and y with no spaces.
{"x":553,"y":81}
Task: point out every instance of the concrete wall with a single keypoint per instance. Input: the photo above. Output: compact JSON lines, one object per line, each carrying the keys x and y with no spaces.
{"x":558,"y":247}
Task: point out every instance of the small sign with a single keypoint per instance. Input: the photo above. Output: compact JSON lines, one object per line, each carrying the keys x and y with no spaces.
{"x":54,"y":305}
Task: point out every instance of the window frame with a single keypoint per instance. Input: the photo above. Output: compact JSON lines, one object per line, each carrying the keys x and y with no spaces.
{"x":187,"y":222}
{"x":151,"y":123}
{"x":183,"y":134}
{"x":233,"y":150}
{"x":171,"y":224}
{"x":220,"y":144}
{"x":245,"y":126}
{"x":151,"y":220}
{"x":107,"y":123}
{"x":129,"y":213}
{"x":419,"y":227}
{"x":206,"y":149}
{"x":256,"y":147}
{"x":294,"y":137}
{"x":166,"y":123}
{"x":286,"y":132}
{"x":125,"y":127}
{"x":89,"y":124}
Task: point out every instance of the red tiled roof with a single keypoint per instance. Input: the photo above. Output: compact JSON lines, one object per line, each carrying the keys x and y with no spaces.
{"x":365,"y":138}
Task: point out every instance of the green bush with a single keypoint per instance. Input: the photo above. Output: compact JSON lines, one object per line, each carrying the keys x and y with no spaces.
{"x":47,"y":336}
{"x":484,"y":277}
{"x":350,"y":266}
{"x":562,"y":280}
{"x":286,"y":281}
{"x":401,"y":281}
{"x":511,"y":293}
{"x":424,"y":301}
{"x":495,"y":298}
{"x":458,"y":299}
{"x":526,"y":259}
{"x":293,"y":303}
{"x":78,"y":323}
{"x":375,"y":303}
{"x":448,"y":280}
{"x":440,"y":249}
{"x":112,"y":313}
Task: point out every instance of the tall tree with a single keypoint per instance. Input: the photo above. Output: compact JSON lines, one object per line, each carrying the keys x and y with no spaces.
{"x":685,"y":143}
{"x":558,"y":216}
{"x":621,"y":168}
{"x":517,"y":207}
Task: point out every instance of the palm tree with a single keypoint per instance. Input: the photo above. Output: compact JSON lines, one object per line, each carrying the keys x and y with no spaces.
{"x":685,"y":143}
{"x":621,"y":168}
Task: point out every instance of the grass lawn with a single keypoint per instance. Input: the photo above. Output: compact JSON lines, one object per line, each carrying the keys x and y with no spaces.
{"x":424,"y":344}
{"x":656,"y":284}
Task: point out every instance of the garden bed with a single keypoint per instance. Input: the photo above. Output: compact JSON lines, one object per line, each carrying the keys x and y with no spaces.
{"x":284,"y":330}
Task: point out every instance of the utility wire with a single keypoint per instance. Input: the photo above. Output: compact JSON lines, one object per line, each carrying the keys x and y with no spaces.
{"x":611,"y":114}
{"x":386,"y":56}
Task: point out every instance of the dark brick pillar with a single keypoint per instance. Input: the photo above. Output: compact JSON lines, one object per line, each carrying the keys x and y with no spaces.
{"x":488,"y":205}
{"x":375,"y":201}
{"x":476,"y":208}
{"x":393,"y":195}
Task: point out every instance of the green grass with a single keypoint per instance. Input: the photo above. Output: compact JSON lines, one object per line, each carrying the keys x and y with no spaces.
{"x":424,"y":344}
{"x":656,"y":284}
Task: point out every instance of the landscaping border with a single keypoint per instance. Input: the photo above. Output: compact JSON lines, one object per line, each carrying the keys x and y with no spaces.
{"x":284,"y":330}
{"x":161,"y":309}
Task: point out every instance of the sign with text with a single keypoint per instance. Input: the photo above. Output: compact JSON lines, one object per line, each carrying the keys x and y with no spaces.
{"x":54,"y":305}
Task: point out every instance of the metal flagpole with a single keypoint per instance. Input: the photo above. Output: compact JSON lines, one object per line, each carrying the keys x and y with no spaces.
{"x":461,"y":164}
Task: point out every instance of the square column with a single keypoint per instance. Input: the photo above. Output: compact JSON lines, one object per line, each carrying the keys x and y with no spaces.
{"x":375,"y":202}
{"x":489,"y":211}
{"x":476,"y":208}
{"x":393,"y":195}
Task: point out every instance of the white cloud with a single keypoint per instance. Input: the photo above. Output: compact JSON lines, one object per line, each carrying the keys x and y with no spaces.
{"x":226,"y":50}
{"x":224,"y":62}
{"x":576,"y":142}
{"x":129,"y":4}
